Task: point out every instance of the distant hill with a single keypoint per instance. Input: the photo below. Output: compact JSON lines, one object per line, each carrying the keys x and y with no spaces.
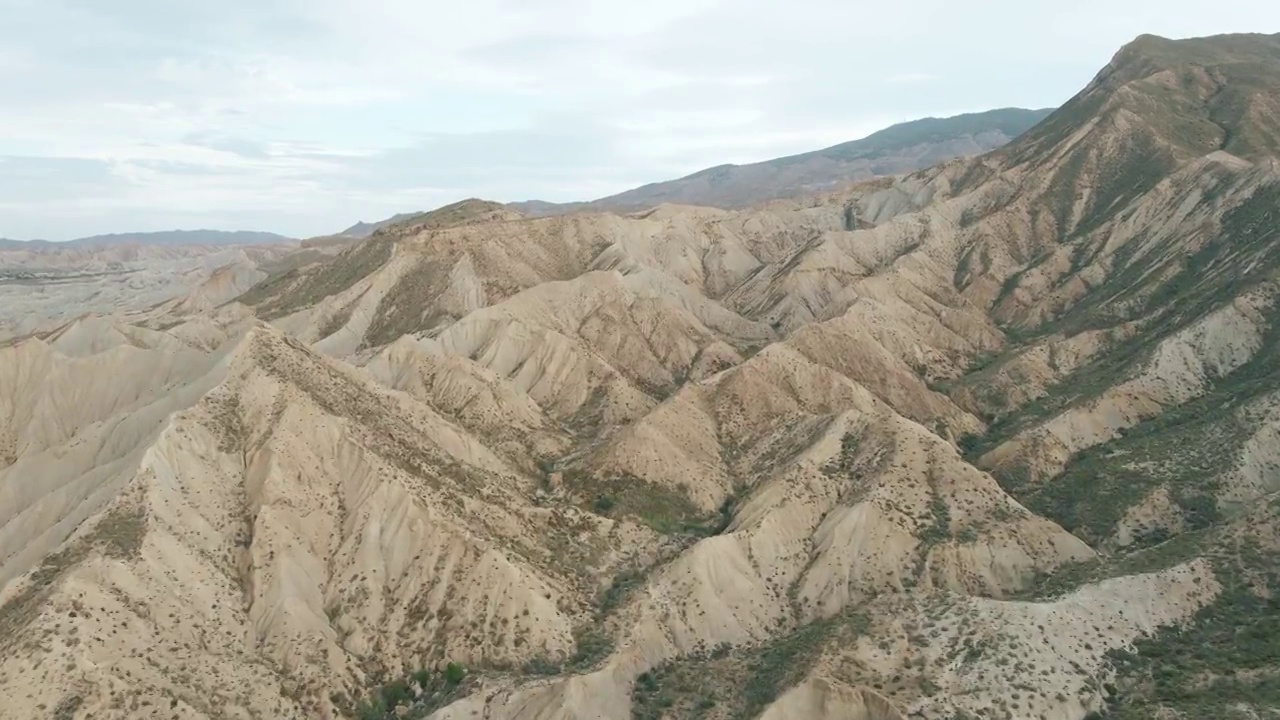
{"x":167,"y":237}
{"x":451,"y":214}
{"x":897,"y":149}
{"x":900,"y":148}
{"x":185,"y":237}
{"x":7,"y":244}
{"x":364,"y":229}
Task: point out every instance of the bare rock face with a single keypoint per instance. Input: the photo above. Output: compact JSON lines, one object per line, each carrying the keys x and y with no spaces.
{"x":994,"y":439}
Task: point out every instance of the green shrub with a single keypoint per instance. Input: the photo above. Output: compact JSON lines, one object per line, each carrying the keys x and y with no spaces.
{"x":1228,"y":658}
{"x":542,"y":666}
{"x":969,"y":444}
{"x":939,"y":529}
{"x":395,"y":693}
{"x":435,"y":689}
{"x":454,"y":673}
{"x":593,"y":645}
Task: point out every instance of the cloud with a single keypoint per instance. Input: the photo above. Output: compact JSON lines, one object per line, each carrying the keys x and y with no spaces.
{"x":301,"y":116}
{"x":50,"y":180}
{"x":910,"y":78}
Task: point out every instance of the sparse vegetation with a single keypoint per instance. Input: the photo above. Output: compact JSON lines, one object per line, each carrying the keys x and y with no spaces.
{"x":303,"y":287}
{"x":666,"y":511}
{"x":1224,"y":664}
{"x":416,"y":695}
{"x":603,"y":504}
{"x":1185,"y":450}
{"x":939,"y":528}
{"x":118,"y":534}
{"x":592,"y":641}
{"x":403,"y":310}
{"x":592,"y":644}
{"x":283,"y":489}
{"x":738,"y":685}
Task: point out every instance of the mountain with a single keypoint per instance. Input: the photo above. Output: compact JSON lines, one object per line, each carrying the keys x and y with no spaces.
{"x":900,"y":148}
{"x":6,"y":244}
{"x":897,"y":149}
{"x":166,"y":238}
{"x":463,"y":211}
{"x":183,"y":237}
{"x":364,"y":229}
{"x":998,"y":438}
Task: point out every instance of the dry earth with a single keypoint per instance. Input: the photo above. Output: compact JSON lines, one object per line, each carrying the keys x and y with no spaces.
{"x":997,"y":439}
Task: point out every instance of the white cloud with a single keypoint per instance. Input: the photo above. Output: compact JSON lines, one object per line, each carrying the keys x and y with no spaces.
{"x":300,"y":116}
{"x":910,"y":78}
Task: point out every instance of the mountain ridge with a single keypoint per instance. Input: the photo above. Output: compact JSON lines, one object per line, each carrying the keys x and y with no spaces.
{"x":162,"y":237}
{"x":991,"y":127}
{"x":917,"y":144}
{"x":996,"y":438}
{"x":365,"y":229}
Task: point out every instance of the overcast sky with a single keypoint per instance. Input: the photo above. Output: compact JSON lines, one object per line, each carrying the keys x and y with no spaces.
{"x":303,"y":116}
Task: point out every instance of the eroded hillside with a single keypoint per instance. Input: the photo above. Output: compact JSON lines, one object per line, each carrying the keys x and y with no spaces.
{"x":996,"y":439}
{"x":44,"y":286}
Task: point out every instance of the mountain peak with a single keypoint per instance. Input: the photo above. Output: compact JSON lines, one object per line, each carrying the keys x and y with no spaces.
{"x":1238,"y":56}
{"x":452,"y":214}
{"x":1169,"y":101}
{"x":1208,"y":49}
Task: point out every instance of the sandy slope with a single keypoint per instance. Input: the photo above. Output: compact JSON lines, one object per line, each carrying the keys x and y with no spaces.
{"x":575,"y":452}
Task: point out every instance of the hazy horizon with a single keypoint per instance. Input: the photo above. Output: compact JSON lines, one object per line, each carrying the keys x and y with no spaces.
{"x":303,"y":118}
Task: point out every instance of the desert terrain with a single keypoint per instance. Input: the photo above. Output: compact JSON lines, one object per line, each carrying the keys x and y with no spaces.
{"x":998,"y":438}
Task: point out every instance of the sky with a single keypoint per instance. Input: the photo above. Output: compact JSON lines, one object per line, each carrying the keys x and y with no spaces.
{"x":303,"y":116}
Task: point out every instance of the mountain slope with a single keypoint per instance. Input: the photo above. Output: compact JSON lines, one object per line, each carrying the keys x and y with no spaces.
{"x":993,"y":439}
{"x":901,"y":148}
{"x":222,"y":504}
{"x":914,"y":291}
